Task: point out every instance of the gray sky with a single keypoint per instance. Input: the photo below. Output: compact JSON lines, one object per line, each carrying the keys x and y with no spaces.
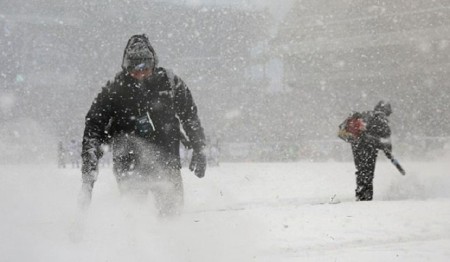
{"x":277,"y":8}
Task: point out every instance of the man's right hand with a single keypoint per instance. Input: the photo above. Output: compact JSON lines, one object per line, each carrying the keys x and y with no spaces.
{"x":89,"y":166}
{"x":89,"y":174}
{"x":386,"y":144}
{"x":387,"y":147}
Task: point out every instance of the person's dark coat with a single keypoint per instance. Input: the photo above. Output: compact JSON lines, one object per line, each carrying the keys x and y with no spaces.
{"x":377,"y":130}
{"x":165,"y":99}
{"x":365,"y":151}
{"x":143,"y":114}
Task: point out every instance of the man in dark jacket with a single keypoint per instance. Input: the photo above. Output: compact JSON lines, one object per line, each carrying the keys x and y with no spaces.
{"x":140,"y":114}
{"x":365,"y":149}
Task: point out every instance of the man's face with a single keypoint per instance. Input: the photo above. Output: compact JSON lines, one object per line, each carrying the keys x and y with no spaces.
{"x":140,"y":75}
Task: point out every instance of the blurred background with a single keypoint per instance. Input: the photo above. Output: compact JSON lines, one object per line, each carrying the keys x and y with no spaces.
{"x":272,"y":79}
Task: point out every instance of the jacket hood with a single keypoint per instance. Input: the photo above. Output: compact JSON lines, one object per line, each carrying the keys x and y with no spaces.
{"x":139,"y":52}
{"x":384,"y":107}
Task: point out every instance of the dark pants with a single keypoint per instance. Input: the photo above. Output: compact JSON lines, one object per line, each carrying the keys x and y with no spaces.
{"x":365,"y":156}
{"x":141,"y":167}
{"x":139,"y":176}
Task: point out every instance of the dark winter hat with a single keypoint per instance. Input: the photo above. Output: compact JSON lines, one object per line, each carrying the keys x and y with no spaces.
{"x":384,"y":107}
{"x":139,"y":54}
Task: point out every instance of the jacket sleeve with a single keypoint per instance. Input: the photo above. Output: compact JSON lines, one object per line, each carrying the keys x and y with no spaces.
{"x":380,"y":127}
{"x":97,"y":120}
{"x":379,"y":132}
{"x":187,"y":112}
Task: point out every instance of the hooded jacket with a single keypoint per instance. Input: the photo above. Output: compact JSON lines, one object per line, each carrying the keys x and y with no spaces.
{"x":133,"y":115}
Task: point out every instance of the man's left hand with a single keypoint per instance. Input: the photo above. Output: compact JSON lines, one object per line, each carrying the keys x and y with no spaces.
{"x":198,"y":163}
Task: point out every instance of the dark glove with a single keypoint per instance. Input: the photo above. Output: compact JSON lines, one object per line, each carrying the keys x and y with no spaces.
{"x":386,"y":147}
{"x":383,"y":144}
{"x":198,"y":163}
{"x":89,"y":174}
{"x":89,"y":166}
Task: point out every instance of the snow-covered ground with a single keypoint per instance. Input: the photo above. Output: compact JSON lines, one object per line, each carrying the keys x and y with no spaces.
{"x":238,"y":212}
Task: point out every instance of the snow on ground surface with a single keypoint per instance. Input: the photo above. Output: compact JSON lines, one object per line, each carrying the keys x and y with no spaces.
{"x":238,"y":212}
